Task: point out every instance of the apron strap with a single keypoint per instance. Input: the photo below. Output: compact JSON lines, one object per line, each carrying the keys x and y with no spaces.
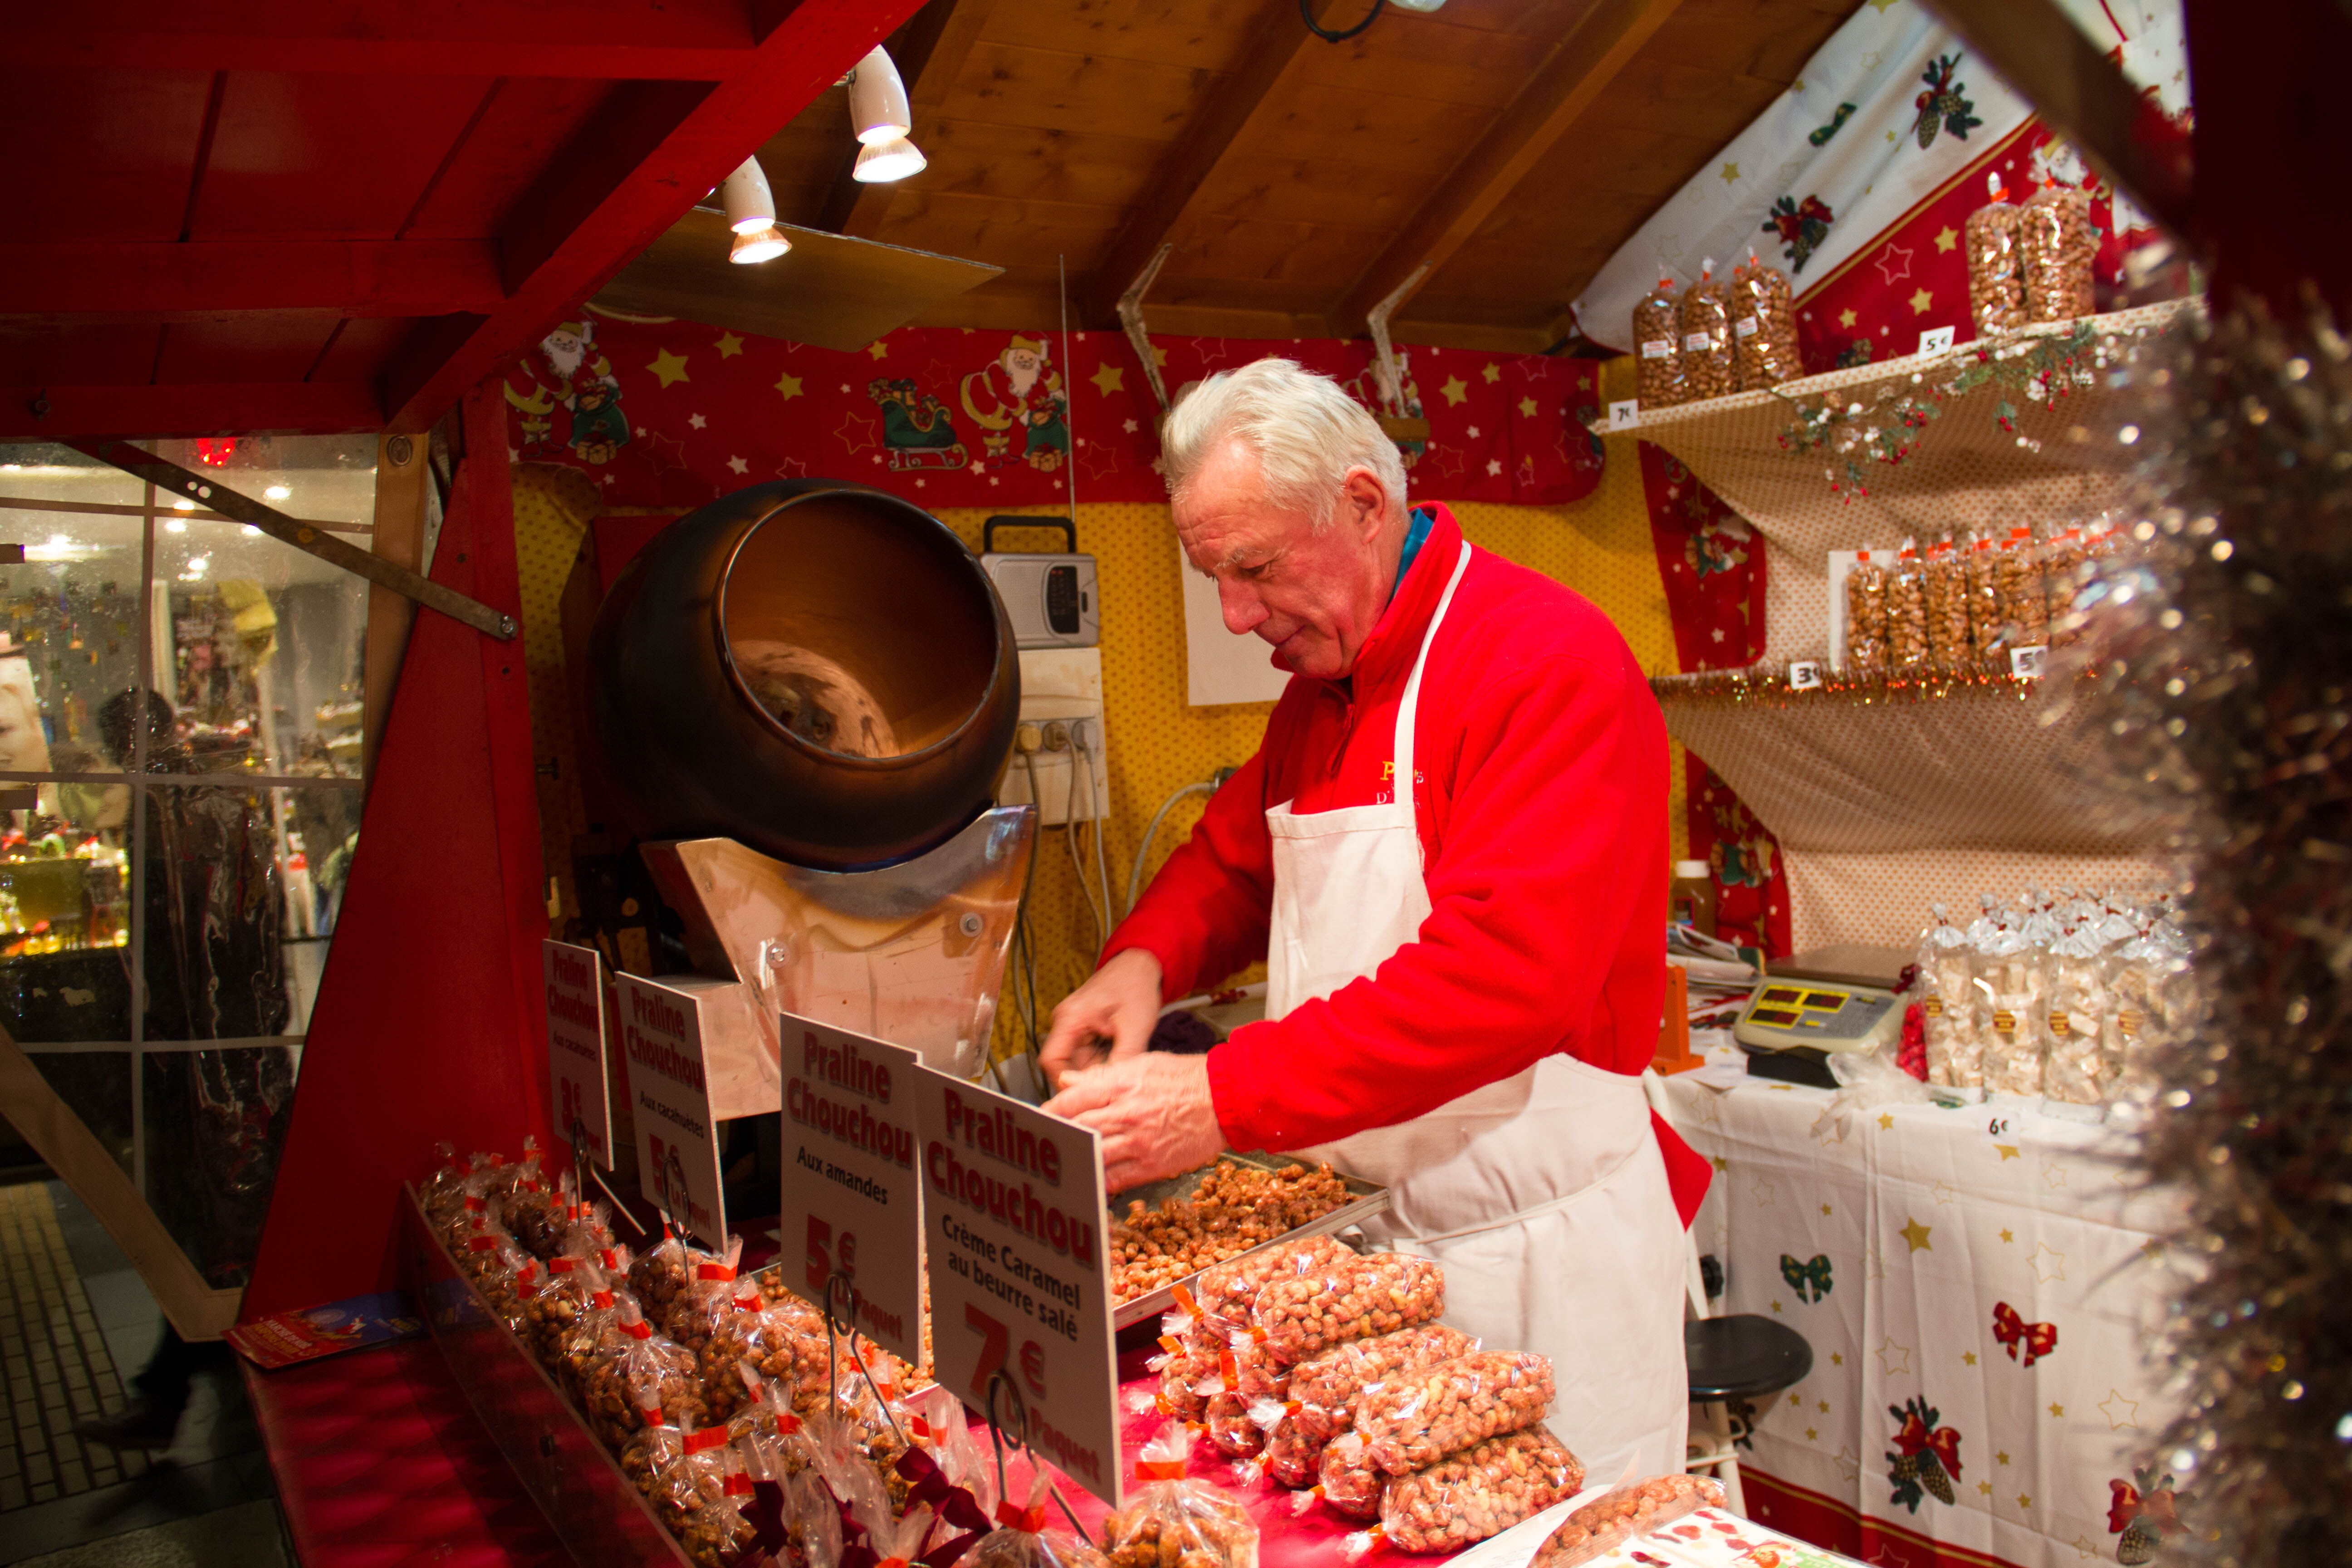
{"x":1409,"y":709}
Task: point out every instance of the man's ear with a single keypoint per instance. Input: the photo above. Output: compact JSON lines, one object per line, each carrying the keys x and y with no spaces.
{"x":1366,"y":501}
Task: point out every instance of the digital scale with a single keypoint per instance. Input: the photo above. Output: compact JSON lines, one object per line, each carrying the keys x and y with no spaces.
{"x":1830,"y":999}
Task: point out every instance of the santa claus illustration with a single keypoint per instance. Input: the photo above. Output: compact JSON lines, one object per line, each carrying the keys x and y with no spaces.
{"x":1020,"y":393}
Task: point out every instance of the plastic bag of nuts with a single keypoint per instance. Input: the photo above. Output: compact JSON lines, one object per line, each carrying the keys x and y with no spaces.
{"x":1907,"y":613}
{"x":1865,"y":617}
{"x":1174,"y":1522}
{"x":1947,"y":590}
{"x":442,"y":1195}
{"x":1349,"y":1484}
{"x":718,"y":1534}
{"x":663,"y":1272}
{"x":1300,"y":1316}
{"x":1225,"y":1293}
{"x":1658,"y":378}
{"x":695,"y":1312}
{"x":1710,"y":365}
{"x":1480,"y":1491}
{"x":1181,"y":1370}
{"x":555,"y":1311}
{"x":596,"y":1334}
{"x":785,"y":1342}
{"x":636,"y":1359}
{"x":1024,"y":1542}
{"x":1763,"y":325}
{"x":1996,"y":275}
{"x":1231,"y":1430}
{"x":1986,"y":638}
{"x":1413,"y":1419}
{"x":1324,"y":1389}
{"x":2062,"y":563}
{"x":1620,"y":1514}
{"x":2057,"y":242}
{"x":2024,"y":610}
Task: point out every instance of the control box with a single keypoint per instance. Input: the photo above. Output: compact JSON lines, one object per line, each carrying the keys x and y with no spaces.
{"x":1051,"y":598}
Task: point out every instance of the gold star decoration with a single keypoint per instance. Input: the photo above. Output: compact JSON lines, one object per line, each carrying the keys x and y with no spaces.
{"x":1947,"y":238}
{"x":1527,"y":407}
{"x":1917,"y":1235}
{"x":1795,"y":1400}
{"x":2057,"y":1412}
{"x":1776,"y":1306}
{"x":2025,"y":1502}
{"x":1811,"y":1435}
{"x":854,"y":433}
{"x":2001,"y":1458}
{"x":2120,"y":1412}
{"x":2009,"y":1152}
{"x":1730,"y":173}
{"x":1824,"y":1405}
{"x":1968,"y":1357}
{"x":2048,"y":1263}
{"x":877,"y":348}
{"x":1160,"y":356}
{"x":1984,"y":1489}
{"x":730,"y":345}
{"x":1108,"y":378}
{"x":1886,"y":1117}
{"x":1837,"y":1358}
{"x":1890,"y":135}
{"x":1893,"y":1360}
{"x":2007,"y":1235}
{"x":667,"y":367}
{"x":1492,"y":374}
{"x":1456,"y":390}
{"x":1920,"y":300}
{"x":1825,"y":1211}
{"x":789,"y":384}
{"x":1721,"y":1164}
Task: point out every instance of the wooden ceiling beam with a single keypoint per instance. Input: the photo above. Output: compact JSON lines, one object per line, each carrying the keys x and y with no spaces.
{"x":1274,"y":51}
{"x":929,"y":52}
{"x":620,"y":40}
{"x":2080,"y":92}
{"x":1608,"y":35}
{"x":211,"y":280}
{"x":654,"y":151}
{"x":300,"y":407}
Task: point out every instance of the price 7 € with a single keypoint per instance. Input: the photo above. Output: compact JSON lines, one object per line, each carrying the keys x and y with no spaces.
{"x":995,"y":1345}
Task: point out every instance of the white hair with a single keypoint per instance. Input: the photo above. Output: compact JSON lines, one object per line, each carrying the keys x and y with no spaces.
{"x":1307,"y":434}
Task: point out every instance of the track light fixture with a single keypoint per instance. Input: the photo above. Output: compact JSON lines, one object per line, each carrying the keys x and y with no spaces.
{"x":877,"y":99}
{"x":882,"y":161}
{"x":759,"y":245}
{"x":750,"y":205}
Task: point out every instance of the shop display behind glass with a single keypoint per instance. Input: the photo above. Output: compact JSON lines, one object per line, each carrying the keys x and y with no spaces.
{"x":197,"y":841}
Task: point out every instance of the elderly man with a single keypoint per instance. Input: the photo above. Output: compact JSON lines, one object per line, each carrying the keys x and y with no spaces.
{"x":1451,"y":851}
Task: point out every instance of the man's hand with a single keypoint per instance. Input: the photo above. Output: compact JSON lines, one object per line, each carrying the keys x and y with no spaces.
{"x":1154,"y":1114}
{"x":1116,"y":1006}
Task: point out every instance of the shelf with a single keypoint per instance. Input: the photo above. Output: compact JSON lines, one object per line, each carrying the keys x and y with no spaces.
{"x":1965,"y":472}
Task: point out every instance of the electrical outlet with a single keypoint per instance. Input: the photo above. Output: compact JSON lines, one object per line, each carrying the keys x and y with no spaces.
{"x":1061,"y":700}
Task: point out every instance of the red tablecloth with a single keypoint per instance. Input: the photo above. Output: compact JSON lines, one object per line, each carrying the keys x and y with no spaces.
{"x":381,"y":1463}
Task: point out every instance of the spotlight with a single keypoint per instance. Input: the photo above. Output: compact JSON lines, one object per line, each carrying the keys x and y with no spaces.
{"x":750,"y":206}
{"x":877,"y":99}
{"x":879,"y":163}
{"x":759,"y":245}
{"x":276,"y":492}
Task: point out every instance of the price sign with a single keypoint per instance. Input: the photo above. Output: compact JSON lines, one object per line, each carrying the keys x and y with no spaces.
{"x":660,"y":1028}
{"x":2026,"y":663}
{"x":1625,"y":416}
{"x":1938,"y":340}
{"x":1804,"y":675}
{"x":1013,"y":1247}
{"x":851,"y":1201}
{"x":575,"y":1048}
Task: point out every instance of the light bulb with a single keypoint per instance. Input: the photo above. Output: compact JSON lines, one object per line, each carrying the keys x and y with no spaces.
{"x":176,"y":526}
{"x":750,"y":205}
{"x":886,"y":161}
{"x":276,"y":492}
{"x":877,"y":99}
{"x":760,"y":244}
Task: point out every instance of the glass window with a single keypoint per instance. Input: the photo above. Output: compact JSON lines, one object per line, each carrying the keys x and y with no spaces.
{"x":179,"y":793}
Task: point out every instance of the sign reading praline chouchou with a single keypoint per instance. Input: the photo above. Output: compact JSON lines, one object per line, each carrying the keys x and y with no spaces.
{"x":660,"y":1028}
{"x":576,"y":1079}
{"x":1012,"y":1205}
{"x":851,"y":1201}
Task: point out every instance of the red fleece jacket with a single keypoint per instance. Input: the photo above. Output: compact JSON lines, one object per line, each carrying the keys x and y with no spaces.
{"x":1541,"y":797}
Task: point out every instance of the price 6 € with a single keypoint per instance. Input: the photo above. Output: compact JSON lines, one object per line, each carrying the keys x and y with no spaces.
{"x":995,"y":1343}
{"x":826,"y":1253}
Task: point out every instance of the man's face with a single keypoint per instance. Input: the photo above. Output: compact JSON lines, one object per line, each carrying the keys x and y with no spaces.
{"x":1315,"y":596}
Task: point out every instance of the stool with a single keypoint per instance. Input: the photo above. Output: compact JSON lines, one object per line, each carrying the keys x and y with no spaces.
{"x":1742,"y":1358}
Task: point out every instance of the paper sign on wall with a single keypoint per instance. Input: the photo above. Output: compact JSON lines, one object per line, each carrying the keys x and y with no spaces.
{"x":1013,"y":1232}
{"x":577,"y":1085}
{"x":660,"y":1030}
{"x":851,"y":1201}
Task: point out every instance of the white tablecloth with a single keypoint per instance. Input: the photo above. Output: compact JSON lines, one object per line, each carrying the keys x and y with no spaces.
{"x":1928,"y":1255}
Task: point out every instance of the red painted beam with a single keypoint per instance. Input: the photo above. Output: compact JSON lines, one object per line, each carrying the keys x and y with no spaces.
{"x":310,"y":408}
{"x":620,"y":40}
{"x":655,"y":151}
{"x":210,"y":279}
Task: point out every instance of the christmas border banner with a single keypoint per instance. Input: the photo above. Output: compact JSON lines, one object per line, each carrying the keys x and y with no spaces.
{"x":673,"y":414}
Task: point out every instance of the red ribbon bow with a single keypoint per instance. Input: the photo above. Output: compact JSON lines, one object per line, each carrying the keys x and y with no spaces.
{"x":1028,"y":1521}
{"x":2126,"y":1505}
{"x":2012,"y":1331}
{"x":1159,"y":1470}
{"x":1943,"y":1441}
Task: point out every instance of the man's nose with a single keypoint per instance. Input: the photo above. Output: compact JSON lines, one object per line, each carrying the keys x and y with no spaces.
{"x":1243,"y":610}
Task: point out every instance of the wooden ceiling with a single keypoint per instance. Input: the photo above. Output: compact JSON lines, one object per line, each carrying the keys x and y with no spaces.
{"x":1511,"y":145}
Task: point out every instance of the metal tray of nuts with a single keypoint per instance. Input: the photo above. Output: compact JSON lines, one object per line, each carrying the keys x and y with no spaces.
{"x":1365,"y":1201}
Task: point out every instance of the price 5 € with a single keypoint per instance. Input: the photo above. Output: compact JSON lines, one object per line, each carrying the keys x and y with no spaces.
{"x":826,"y":1253}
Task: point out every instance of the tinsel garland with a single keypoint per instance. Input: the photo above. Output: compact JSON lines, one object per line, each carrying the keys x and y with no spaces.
{"x":1776,"y":685}
{"x":2221,"y":654}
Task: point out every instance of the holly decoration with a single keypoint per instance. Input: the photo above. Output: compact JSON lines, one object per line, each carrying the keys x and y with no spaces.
{"x":2141,"y":1513}
{"x":1926,"y":1454}
{"x":2037,"y":367}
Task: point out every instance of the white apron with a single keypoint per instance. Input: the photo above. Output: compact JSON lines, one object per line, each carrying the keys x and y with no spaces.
{"x":1543,"y":1195}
